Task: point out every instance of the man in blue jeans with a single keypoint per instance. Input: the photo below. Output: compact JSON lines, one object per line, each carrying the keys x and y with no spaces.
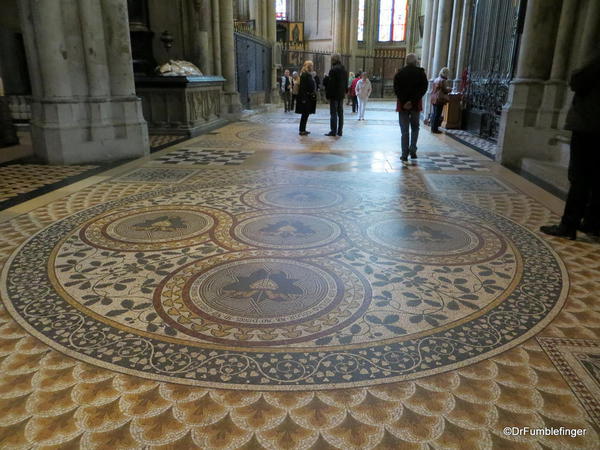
{"x":335,"y":92}
{"x":410,"y":85}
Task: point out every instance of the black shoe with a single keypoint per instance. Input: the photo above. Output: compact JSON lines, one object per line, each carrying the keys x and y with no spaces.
{"x":331,"y":133}
{"x":413,"y":155}
{"x":436,"y":131}
{"x":340,"y":133}
{"x":404,"y":158}
{"x":559,"y":231}
{"x":303,"y":133}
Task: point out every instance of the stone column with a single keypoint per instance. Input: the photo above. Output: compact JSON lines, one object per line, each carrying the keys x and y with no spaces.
{"x":432,"y":38}
{"x":556,"y":87}
{"x":256,"y":15}
{"x":265,"y":17}
{"x":216,"y":38}
{"x":353,"y":35}
{"x":517,"y":136}
{"x":590,"y":33}
{"x":272,"y":37}
{"x":442,"y":37}
{"x":84,"y":107}
{"x":232,"y":97}
{"x":454,"y":35}
{"x":463,"y":43}
{"x":203,"y":14}
{"x":426,"y":33}
{"x":428,"y":64}
{"x":338,"y":42}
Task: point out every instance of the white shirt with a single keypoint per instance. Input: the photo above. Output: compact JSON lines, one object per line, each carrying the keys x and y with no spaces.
{"x":363,"y":88}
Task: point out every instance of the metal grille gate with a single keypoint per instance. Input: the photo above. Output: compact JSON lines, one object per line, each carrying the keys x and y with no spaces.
{"x":253,"y":66}
{"x":492,"y":58}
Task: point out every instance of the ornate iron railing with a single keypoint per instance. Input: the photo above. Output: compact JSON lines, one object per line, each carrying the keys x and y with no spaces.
{"x":491,"y":61}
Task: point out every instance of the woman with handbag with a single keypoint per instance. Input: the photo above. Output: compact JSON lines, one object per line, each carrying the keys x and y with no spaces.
{"x":306,"y":102}
{"x":439,"y":97}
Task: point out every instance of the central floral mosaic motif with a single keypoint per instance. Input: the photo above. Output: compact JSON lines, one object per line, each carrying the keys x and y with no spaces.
{"x":284,"y":282}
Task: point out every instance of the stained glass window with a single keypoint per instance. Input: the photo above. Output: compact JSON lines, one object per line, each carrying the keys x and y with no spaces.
{"x":280,"y":9}
{"x":392,"y":20}
{"x":361,"y":20}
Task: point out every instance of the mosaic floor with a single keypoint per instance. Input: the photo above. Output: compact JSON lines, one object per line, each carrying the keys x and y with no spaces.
{"x":21,"y":182}
{"x":309,"y":297}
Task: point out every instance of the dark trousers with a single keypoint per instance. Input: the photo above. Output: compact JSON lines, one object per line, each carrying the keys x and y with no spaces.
{"x":303,"y":120}
{"x":336,"y":111}
{"x":436,"y":117}
{"x":287,"y":101}
{"x":583,"y":199}
{"x":409,"y":128}
{"x":354,"y":103}
{"x":294,"y":98}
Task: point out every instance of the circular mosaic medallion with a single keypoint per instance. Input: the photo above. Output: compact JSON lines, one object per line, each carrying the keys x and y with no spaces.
{"x":261,"y":302}
{"x":149,"y":228}
{"x":428,"y":238}
{"x":299,"y":197}
{"x":203,"y":295}
{"x":287,"y":231}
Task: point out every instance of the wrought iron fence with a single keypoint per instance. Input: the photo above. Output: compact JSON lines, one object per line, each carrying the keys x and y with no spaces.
{"x":491,"y":63}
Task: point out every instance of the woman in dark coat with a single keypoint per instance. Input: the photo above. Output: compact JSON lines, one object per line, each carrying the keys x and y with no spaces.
{"x":306,"y":103}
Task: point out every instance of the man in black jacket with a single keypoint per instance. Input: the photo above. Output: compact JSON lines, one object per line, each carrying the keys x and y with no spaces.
{"x":583,"y":119}
{"x":335,"y":93}
{"x":410,"y":85}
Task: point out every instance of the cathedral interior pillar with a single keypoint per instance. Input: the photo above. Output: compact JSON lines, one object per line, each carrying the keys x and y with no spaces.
{"x":555,"y":88}
{"x":526,"y":90}
{"x":232,"y":97}
{"x":454,"y":37}
{"x":82,"y":112}
{"x":442,"y":38}
{"x":426,"y":33}
{"x":216,"y":37}
{"x":463,"y":43}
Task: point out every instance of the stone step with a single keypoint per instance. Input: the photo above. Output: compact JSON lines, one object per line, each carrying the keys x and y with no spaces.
{"x":551,"y":175}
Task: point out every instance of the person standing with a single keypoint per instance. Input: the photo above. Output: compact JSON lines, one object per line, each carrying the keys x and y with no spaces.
{"x":363,"y":91}
{"x":336,"y":90}
{"x":295,"y":88}
{"x":410,"y":85}
{"x":582,"y":208}
{"x":353,"y":92}
{"x":306,"y":102}
{"x":286,"y":90}
{"x":439,"y":97}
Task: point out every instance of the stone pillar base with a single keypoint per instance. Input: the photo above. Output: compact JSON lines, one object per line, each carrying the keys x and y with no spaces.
{"x":275,"y":96}
{"x":99,"y":130}
{"x":519,"y":117}
{"x":549,"y":115}
{"x":232,"y":107}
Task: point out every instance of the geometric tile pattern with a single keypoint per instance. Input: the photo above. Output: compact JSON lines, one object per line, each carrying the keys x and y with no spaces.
{"x":19,"y":179}
{"x":446,"y":162}
{"x":204,"y":157}
{"x":465,"y":183}
{"x":484,"y":146}
{"x":156,"y":175}
{"x":578,"y":360}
